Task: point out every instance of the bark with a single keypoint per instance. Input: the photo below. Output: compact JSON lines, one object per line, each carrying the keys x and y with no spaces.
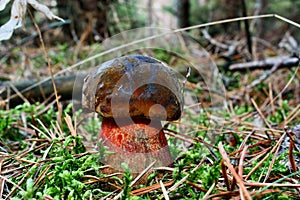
{"x":183,"y":13}
{"x":37,"y":91}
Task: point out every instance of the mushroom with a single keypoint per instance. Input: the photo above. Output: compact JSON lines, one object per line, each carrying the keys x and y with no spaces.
{"x":134,"y":94}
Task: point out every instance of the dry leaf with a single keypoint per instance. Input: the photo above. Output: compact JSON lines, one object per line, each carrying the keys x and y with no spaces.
{"x":18,"y":11}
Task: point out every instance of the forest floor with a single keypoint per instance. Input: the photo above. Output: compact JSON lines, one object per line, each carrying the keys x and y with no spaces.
{"x":236,"y":140}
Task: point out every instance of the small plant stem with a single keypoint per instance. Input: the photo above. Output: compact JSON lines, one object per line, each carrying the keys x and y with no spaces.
{"x":240,"y":169}
{"x":223,"y":168}
{"x":291,"y":158}
{"x":209,"y":191}
{"x":274,"y":184}
{"x":265,"y":158}
{"x":164,"y":190}
{"x":232,"y":170}
{"x":273,"y":160}
{"x":260,"y":113}
{"x":185,"y":178}
{"x":48,"y":63}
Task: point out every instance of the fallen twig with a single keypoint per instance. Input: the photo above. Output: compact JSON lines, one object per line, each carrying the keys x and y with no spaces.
{"x":266,"y":157}
{"x":263,"y":76}
{"x":268,"y":63}
{"x":232,"y":170}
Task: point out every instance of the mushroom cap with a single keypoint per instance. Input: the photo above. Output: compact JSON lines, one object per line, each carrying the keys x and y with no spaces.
{"x":133,"y":86}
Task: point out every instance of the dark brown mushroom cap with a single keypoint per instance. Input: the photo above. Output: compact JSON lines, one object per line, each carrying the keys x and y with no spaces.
{"x":135,"y":86}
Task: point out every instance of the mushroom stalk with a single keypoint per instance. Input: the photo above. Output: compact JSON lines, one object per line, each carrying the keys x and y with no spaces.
{"x":139,"y":143}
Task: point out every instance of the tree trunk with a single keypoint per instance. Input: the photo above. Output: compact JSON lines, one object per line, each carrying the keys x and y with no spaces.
{"x":232,"y":9}
{"x":183,"y":11}
{"x":88,"y":19}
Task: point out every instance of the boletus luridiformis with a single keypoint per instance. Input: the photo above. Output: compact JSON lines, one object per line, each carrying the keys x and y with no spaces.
{"x":134,"y":94}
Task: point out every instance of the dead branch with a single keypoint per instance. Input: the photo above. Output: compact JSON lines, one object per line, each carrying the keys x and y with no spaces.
{"x":268,"y":63}
{"x":213,"y":41}
{"x":35,"y":90}
{"x":262,"y":77}
{"x":245,"y":194}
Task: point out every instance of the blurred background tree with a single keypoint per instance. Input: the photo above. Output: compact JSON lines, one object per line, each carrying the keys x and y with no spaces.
{"x":88,"y":19}
{"x":94,"y":20}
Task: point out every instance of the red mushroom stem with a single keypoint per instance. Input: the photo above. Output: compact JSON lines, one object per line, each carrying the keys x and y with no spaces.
{"x":139,"y":142}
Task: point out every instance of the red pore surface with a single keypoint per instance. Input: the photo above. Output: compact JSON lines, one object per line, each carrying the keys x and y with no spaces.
{"x":136,"y":142}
